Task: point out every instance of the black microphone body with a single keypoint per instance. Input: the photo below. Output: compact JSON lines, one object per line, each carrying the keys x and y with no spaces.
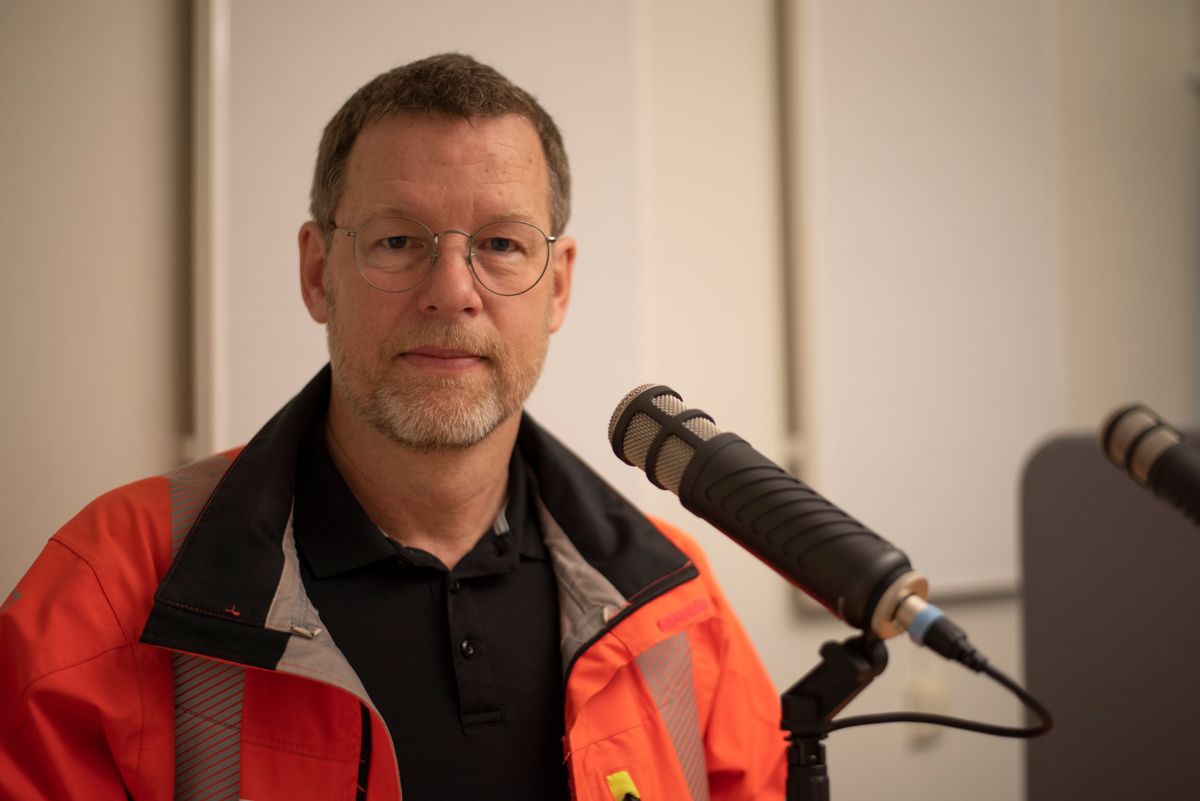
{"x":786,"y":524}
{"x":850,"y":570}
{"x":1156,"y":455}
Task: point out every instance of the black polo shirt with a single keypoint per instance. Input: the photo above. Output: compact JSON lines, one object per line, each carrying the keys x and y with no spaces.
{"x":463,"y":665}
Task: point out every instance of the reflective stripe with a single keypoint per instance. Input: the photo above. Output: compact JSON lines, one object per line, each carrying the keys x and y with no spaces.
{"x":208,"y":693}
{"x":208,"y":727}
{"x":666,"y":669}
{"x":190,"y":487}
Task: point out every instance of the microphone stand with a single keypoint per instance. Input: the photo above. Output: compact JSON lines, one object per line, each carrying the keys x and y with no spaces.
{"x":845,"y":671}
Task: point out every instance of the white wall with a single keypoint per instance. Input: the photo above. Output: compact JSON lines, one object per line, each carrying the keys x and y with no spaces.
{"x":1128,"y":157}
{"x":93,"y":150}
{"x":930,"y":299}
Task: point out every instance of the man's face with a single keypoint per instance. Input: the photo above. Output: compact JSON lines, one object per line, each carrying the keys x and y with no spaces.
{"x":443,"y":364}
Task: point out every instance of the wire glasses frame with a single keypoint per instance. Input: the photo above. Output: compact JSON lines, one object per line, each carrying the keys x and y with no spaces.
{"x":395,"y":254}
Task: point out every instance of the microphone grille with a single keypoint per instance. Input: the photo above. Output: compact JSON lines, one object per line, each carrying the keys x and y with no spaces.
{"x":623,"y":405}
{"x":674,"y":455}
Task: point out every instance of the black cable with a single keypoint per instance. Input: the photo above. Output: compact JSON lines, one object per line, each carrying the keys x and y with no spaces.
{"x":943,"y":720}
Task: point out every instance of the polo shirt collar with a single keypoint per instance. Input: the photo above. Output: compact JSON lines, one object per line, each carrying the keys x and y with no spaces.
{"x":334,"y":535}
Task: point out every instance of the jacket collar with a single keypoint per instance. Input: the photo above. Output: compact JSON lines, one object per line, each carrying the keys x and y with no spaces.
{"x":222,"y":593}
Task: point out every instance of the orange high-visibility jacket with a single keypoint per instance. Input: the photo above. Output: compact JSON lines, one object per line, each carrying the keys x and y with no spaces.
{"x":162,"y":646}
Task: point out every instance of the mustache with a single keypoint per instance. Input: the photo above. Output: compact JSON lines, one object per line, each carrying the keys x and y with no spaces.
{"x":435,"y":334}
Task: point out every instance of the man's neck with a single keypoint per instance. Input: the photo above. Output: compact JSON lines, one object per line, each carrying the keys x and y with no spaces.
{"x":440,"y":501}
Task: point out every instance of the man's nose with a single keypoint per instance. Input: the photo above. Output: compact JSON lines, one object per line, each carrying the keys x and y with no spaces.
{"x":451,"y":286}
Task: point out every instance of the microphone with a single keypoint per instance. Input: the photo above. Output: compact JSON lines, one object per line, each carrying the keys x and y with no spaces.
{"x":1150,"y":450}
{"x":850,"y":570}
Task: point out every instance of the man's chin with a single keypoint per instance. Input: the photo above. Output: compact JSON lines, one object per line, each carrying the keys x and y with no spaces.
{"x":438,"y":423}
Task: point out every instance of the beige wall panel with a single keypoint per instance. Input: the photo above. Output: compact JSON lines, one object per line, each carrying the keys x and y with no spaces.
{"x":94,"y":157}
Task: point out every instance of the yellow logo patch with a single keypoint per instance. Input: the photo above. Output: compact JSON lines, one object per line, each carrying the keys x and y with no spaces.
{"x":621,"y":785}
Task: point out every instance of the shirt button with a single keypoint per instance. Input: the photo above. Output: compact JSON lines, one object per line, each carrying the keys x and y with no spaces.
{"x":466,"y":648}
{"x":455,"y":585}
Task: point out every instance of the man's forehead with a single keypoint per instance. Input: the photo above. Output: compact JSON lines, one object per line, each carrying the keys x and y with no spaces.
{"x":418,"y":148}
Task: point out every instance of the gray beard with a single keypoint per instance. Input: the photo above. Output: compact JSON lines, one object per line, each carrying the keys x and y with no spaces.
{"x":412,"y":416}
{"x":434,"y":413}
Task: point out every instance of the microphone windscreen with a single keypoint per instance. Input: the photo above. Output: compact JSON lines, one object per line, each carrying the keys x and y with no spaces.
{"x":634,"y":442}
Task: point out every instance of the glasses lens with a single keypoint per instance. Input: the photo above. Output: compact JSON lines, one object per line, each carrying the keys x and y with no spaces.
{"x":510,"y":257}
{"x":393,"y":254}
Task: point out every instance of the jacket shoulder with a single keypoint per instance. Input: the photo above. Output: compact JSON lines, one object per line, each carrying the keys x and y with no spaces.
{"x":72,"y":679}
{"x":120,"y":546}
{"x":123,"y":538}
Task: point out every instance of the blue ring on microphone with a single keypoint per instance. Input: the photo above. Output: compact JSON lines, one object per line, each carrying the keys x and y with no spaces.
{"x":921,"y":623}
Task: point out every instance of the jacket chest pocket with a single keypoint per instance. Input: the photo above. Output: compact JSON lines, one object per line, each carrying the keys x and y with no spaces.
{"x":300,"y":739}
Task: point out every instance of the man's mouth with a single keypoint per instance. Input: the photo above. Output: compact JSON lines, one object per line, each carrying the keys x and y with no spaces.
{"x":448,"y":359}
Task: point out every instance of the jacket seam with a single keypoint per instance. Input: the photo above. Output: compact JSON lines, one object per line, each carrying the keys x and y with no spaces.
{"x":666,"y":576}
{"x":207,"y":718}
{"x":137,"y":667}
{"x":99,"y":584}
{"x":29,"y":687}
{"x":292,"y":748}
{"x":641,"y":724}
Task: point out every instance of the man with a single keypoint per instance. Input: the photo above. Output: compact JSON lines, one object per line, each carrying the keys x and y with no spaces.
{"x":401,"y":581}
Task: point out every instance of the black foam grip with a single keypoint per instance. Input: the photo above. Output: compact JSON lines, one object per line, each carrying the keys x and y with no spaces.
{"x":785,"y":523}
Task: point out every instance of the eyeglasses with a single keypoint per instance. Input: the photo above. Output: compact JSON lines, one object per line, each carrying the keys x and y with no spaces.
{"x":394,"y":254}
